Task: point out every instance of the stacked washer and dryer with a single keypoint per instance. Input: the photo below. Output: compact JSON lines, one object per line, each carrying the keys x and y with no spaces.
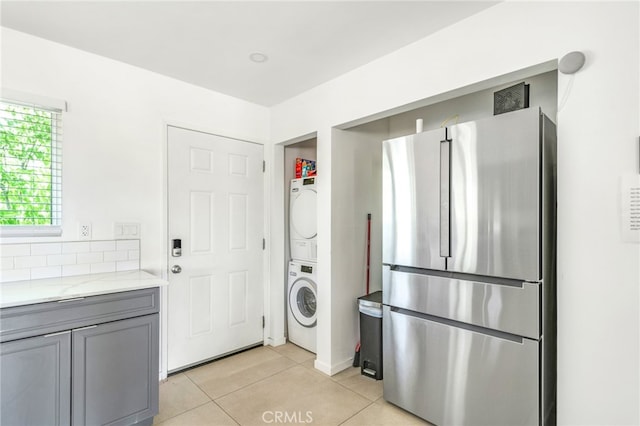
{"x":302,"y":290}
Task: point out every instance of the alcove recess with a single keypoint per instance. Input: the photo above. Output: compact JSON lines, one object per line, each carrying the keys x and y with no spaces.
{"x":356,"y":176}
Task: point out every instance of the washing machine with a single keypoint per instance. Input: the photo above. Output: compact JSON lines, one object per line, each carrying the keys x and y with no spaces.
{"x":302,"y":295}
{"x":302,"y":219}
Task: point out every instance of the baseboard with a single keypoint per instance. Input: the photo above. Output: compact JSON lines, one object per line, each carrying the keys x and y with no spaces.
{"x":333,"y":369}
{"x":325,"y":368}
{"x":341,"y":366}
{"x":270,"y":341}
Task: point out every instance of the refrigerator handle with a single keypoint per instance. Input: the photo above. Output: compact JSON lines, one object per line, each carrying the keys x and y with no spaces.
{"x":445,"y":194}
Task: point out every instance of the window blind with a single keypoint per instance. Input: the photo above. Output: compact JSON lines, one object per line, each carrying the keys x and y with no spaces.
{"x":30,"y":166}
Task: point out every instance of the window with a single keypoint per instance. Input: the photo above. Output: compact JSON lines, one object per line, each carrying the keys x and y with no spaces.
{"x":30,"y":170}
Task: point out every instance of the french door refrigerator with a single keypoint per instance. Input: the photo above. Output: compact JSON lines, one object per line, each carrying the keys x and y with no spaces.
{"x":469,"y":322}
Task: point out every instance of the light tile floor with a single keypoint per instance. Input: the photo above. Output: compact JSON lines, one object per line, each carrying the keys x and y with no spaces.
{"x":278,"y":385}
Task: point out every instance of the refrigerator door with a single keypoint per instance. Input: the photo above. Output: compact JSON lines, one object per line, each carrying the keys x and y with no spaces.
{"x":495,"y":196}
{"x":411,"y":200}
{"x":511,"y":308}
{"x":455,"y":376}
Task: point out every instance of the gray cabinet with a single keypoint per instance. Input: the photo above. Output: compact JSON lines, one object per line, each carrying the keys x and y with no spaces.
{"x":97,"y":364}
{"x":35,"y":381}
{"x":115,"y":372}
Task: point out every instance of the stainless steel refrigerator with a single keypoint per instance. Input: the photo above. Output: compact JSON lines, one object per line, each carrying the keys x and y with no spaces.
{"x":469,"y":314}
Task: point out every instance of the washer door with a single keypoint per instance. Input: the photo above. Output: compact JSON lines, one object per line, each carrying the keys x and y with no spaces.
{"x":302,"y":302}
{"x":303,"y":214}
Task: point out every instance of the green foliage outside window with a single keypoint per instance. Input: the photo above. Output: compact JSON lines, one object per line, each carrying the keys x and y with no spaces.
{"x":27,"y":140}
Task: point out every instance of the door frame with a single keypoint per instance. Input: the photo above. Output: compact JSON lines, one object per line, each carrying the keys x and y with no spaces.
{"x":164,"y":264}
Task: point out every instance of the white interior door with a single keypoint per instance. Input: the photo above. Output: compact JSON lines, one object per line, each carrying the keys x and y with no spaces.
{"x":215,"y":198}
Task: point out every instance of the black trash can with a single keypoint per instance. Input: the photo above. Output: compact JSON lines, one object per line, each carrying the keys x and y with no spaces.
{"x":370,"y":307}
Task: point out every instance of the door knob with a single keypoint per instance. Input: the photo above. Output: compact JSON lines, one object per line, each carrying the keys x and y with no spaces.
{"x":176,"y":269}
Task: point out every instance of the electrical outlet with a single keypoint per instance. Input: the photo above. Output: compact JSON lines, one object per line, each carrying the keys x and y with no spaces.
{"x":84,"y":231}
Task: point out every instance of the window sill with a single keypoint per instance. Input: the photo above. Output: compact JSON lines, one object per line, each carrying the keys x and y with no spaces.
{"x":30,"y":231}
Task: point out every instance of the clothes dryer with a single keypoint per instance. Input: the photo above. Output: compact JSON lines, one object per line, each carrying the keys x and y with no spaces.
{"x":302,"y":295}
{"x":303,"y":219}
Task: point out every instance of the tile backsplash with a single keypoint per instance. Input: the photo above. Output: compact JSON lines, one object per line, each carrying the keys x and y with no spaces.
{"x":51,"y":260}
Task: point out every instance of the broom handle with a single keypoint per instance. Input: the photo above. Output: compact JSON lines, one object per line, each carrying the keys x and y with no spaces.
{"x":368,"y":248}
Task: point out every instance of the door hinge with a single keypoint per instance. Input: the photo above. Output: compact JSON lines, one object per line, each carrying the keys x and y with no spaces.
{"x":263,"y":321}
{"x":264,"y":166}
{"x":264,"y":244}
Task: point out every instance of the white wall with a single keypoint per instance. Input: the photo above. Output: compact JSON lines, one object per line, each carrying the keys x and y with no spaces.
{"x":598,"y":127}
{"x":357,"y":173}
{"x":543,"y":90}
{"x":114,"y":133}
{"x":114,"y":143}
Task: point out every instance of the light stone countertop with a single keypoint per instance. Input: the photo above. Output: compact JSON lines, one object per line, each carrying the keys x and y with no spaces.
{"x":17,"y":293}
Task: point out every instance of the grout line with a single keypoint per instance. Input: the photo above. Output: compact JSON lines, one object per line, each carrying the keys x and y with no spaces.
{"x":355,"y":414}
{"x":273,"y":348}
{"x":212,"y":360}
{"x":183,"y":412}
{"x":199,"y":388}
{"x":246,"y":386}
{"x":354,"y":391}
{"x":236,"y":421}
{"x":192,"y":408}
{"x":242,"y":387}
{"x":281,"y":355}
{"x":252,"y":383}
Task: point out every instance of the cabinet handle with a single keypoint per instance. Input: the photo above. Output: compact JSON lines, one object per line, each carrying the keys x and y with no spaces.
{"x":57,"y":334}
{"x":85,"y":328}
{"x":70,"y":300}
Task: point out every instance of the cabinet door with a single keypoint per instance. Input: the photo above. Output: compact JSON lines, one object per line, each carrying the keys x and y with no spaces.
{"x":115,"y":372}
{"x":35,"y":385}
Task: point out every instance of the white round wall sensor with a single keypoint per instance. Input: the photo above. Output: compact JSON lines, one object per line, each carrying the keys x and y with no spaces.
{"x":571,"y":62}
{"x":258,"y":57}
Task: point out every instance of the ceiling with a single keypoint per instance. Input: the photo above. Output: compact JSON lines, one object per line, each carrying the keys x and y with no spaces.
{"x":208,"y":43}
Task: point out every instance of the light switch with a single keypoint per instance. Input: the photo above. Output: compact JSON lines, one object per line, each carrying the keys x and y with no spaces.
{"x":124,"y":231}
{"x":131,"y":230}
